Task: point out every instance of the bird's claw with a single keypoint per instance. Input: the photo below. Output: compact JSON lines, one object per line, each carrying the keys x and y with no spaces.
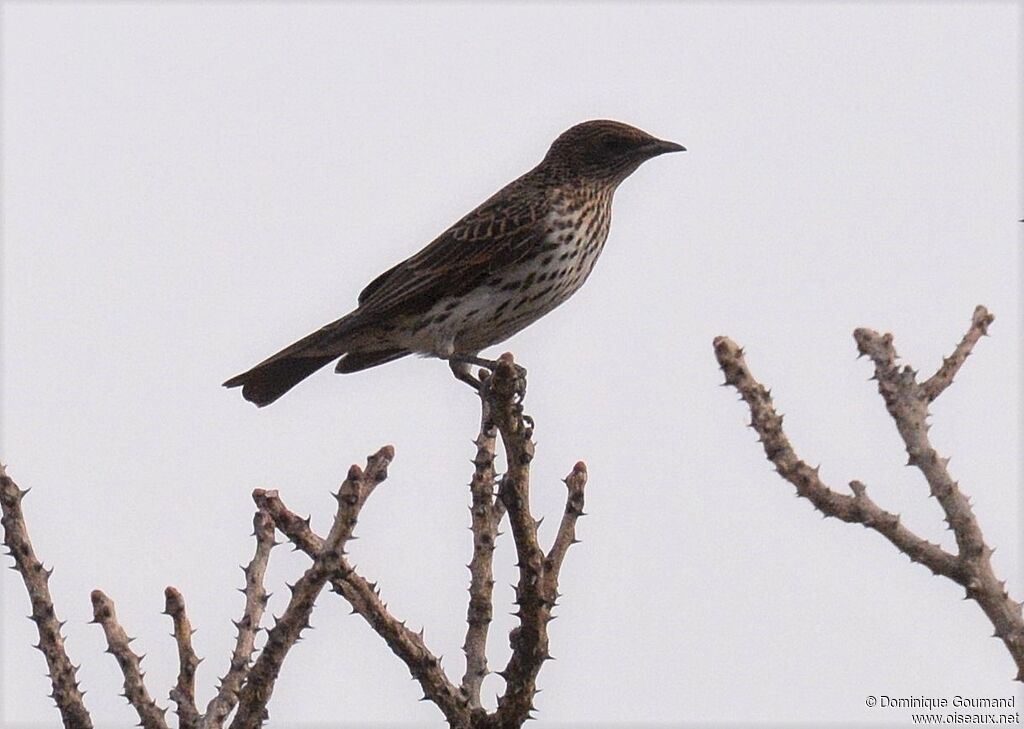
{"x":460,"y":366}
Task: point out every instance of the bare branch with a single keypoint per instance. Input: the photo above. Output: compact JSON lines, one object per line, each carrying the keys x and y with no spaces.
{"x":66,"y":693}
{"x":118,"y":644}
{"x":857,"y":509}
{"x":536,"y":591}
{"x":575,"y":482}
{"x":184,"y":692}
{"x":256,"y":598}
{"x":365,"y":600}
{"x":486,"y":514}
{"x":259,"y":685}
{"x":942,"y":379}
{"x":907,"y":402}
{"x":248,"y":686}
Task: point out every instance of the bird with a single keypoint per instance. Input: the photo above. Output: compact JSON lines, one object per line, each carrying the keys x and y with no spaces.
{"x":508,"y":262}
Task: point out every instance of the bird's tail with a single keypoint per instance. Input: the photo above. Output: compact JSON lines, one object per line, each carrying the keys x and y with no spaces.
{"x":276,"y":375}
{"x":282,"y":371}
{"x":268,"y":380}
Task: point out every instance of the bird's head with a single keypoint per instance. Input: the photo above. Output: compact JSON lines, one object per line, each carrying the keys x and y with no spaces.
{"x":604,"y":151}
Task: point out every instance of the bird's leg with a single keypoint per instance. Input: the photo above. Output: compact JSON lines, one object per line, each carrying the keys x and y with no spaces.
{"x":469,"y":359}
{"x":460,"y":365}
{"x":489,"y":364}
{"x":462,"y":372}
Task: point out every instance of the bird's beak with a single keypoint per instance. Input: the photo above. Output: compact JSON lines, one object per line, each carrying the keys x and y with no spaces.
{"x":661,"y":146}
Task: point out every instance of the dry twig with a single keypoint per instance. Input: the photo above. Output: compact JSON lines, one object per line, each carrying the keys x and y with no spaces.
{"x":907,"y":402}
{"x":66,"y":693}
{"x":184,"y":692}
{"x":247,"y":686}
{"x":364,"y":597}
{"x":151,"y":716}
{"x":260,"y":681}
{"x":536,"y":593}
{"x":256,"y":598}
{"x":487,"y":513}
{"x":537,"y":589}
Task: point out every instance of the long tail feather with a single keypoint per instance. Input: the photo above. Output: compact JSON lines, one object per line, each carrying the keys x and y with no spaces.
{"x":266,"y":382}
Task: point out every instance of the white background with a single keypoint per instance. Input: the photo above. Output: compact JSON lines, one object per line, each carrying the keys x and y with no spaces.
{"x":187,"y":188}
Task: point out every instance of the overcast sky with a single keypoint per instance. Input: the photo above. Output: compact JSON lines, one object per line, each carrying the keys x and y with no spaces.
{"x":187,"y":188}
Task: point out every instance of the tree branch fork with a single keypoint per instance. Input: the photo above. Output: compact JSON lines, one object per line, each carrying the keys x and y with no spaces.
{"x":247,"y":686}
{"x":906,"y":400}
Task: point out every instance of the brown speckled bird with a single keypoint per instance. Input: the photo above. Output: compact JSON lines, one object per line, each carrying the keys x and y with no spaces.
{"x":503,"y":266}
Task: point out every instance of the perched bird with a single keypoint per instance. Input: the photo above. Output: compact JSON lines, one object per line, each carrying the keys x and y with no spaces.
{"x":504,"y":265}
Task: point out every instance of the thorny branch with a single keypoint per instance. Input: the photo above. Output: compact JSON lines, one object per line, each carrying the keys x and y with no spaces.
{"x":907,"y":402}
{"x":151,"y":716}
{"x":66,"y":693}
{"x":487,"y":513}
{"x":259,"y":685}
{"x":575,"y":482}
{"x":184,"y":692}
{"x":247,"y":686}
{"x":537,"y":592}
{"x":364,"y":597}
{"x":537,"y":589}
{"x":256,"y":598}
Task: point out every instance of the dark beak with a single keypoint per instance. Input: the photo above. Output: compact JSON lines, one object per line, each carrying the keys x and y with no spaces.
{"x":660,"y":146}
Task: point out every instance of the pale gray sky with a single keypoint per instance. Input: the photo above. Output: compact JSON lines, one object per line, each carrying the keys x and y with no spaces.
{"x":187,"y":188}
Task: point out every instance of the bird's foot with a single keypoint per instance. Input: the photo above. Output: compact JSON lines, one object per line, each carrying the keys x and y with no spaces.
{"x":460,"y":366}
{"x":462,"y":372}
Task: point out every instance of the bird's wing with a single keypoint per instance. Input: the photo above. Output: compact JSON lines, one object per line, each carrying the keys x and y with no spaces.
{"x":499,"y":232}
